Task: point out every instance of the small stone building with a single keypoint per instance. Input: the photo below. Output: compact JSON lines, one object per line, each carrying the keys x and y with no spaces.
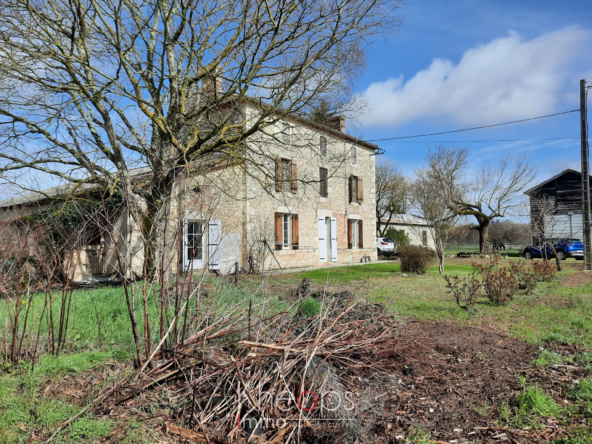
{"x":416,"y":228}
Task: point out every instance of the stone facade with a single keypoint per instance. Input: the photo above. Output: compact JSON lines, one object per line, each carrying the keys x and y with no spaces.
{"x":286,"y":183}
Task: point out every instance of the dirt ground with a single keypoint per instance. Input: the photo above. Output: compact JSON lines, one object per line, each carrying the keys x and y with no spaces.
{"x":454,"y":379}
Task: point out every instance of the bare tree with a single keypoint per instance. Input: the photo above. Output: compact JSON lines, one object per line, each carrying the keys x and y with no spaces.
{"x":433,"y":190}
{"x":494,"y":193}
{"x":391,"y":195}
{"x":543,"y":225}
{"x":90,"y":90}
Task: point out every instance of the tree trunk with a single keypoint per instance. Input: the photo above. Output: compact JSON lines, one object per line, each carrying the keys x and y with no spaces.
{"x":441,"y":264}
{"x":483,"y":236}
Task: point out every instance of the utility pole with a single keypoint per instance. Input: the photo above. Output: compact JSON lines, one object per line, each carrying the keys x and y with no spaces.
{"x":585,"y":178}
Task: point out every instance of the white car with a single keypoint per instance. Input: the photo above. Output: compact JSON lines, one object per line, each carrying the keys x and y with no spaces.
{"x":385,"y":246}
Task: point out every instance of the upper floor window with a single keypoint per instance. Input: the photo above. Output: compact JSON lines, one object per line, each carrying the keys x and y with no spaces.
{"x":286,"y":133}
{"x":324,"y":182}
{"x":356,"y":189}
{"x":323,"y":146}
{"x":354,"y":155}
{"x":286,"y":175}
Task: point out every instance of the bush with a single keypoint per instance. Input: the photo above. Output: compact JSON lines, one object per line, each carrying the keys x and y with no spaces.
{"x":399,"y":237}
{"x":309,"y":307}
{"x":414,"y":259}
{"x":544,"y":270}
{"x":466,"y":289}
{"x":525,"y":276}
{"x":499,"y":284}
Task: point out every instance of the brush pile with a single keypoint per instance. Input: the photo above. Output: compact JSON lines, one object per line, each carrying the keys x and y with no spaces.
{"x":281,"y":378}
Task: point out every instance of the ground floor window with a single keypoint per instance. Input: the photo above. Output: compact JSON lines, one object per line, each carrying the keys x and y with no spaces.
{"x":286,"y":231}
{"x":355,"y":234}
{"x":194,"y":242}
{"x":424,"y":238}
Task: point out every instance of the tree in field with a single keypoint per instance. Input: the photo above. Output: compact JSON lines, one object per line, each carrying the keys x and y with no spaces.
{"x":493,"y":193}
{"x":433,"y":190}
{"x":90,"y":90}
{"x":392,"y":190}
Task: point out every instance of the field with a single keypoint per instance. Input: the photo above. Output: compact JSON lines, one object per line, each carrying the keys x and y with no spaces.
{"x":519,"y":371}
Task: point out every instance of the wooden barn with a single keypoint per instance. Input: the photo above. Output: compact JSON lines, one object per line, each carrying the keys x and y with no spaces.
{"x":556,"y":207}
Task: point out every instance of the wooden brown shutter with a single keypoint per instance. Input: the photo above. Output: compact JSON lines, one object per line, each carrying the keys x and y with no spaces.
{"x":278,"y":231}
{"x":294,"y":232}
{"x":278,"y":174}
{"x":360,"y":190}
{"x":350,"y":242}
{"x":324,"y":185}
{"x":294,"y":174}
{"x":360,"y":235}
{"x":351,"y":188}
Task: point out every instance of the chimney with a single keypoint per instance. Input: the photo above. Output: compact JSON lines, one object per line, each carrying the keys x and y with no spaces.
{"x":337,"y":123}
{"x":212,"y":84}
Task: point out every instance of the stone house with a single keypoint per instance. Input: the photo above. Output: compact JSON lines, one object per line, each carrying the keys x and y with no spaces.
{"x":416,"y":228}
{"x":306,"y":199}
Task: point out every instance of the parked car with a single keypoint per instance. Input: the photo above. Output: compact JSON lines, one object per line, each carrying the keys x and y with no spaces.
{"x":565,"y":248}
{"x":385,"y":246}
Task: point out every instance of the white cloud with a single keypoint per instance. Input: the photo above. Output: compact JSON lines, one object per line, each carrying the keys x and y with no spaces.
{"x":507,"y":78}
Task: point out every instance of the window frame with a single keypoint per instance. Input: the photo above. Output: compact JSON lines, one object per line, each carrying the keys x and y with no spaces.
{"x":193,"y":262}
{"x":287,"y":230}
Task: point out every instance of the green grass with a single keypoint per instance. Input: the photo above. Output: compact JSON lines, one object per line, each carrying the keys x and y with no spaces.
{"x":25,"y":411}
{"x":548,"y":357}
{"x":534,"y":401}
{"x":583,"y":391}
{"x":552,"y":313}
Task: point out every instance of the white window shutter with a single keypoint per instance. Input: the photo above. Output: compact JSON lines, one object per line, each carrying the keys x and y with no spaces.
{"x":185,"y":258}
{"x":333,"y":239}
{"x":214,"y":237}
{"x":323,"y":239}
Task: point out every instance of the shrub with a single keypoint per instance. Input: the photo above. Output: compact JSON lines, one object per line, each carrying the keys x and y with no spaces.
{"x":414,"y":259}
{"x":534,"y":400}
{"x":399,"y":237}
{"x":309,"y":307}
{"x":525,"y":276}
{"x":465,"y":289}
{"x":499,"y":284}
{"x":544,"y":270}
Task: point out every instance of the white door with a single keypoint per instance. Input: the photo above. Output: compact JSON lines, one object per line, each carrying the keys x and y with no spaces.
{"x":214,"y":236}
{"x":333,"y":239}
{"x":322,"y":239}
{"x":193,"y":244}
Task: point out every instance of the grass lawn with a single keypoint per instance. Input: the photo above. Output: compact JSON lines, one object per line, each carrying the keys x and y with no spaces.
{"x":552,"y":313}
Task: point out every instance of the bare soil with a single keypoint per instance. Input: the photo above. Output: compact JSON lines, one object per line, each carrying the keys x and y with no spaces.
{"x":579,"y":279}
{"x":454,"y":379}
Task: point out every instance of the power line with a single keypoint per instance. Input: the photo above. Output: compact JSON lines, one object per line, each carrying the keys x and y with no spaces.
{"x":477,"y":127}
{"x":492,"y":140}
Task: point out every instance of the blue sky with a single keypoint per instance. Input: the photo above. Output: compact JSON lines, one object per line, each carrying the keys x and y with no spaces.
{"x":462,"y":63}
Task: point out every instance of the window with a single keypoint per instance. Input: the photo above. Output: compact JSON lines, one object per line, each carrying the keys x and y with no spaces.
{"x":323,"y":146}
{"x":286,"y":231}
{"x":355,"y":234}
{"x":354,"y":155}
{"x":324,"y":182}
{"x":356,"y":189}
{"x":195,"y":240}
{"x":286,"y":175}
{"x":424,"y":238}
{"x":286,"y":133}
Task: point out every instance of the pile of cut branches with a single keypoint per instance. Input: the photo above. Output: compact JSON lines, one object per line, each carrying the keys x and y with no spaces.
{"x":274,"y":379}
